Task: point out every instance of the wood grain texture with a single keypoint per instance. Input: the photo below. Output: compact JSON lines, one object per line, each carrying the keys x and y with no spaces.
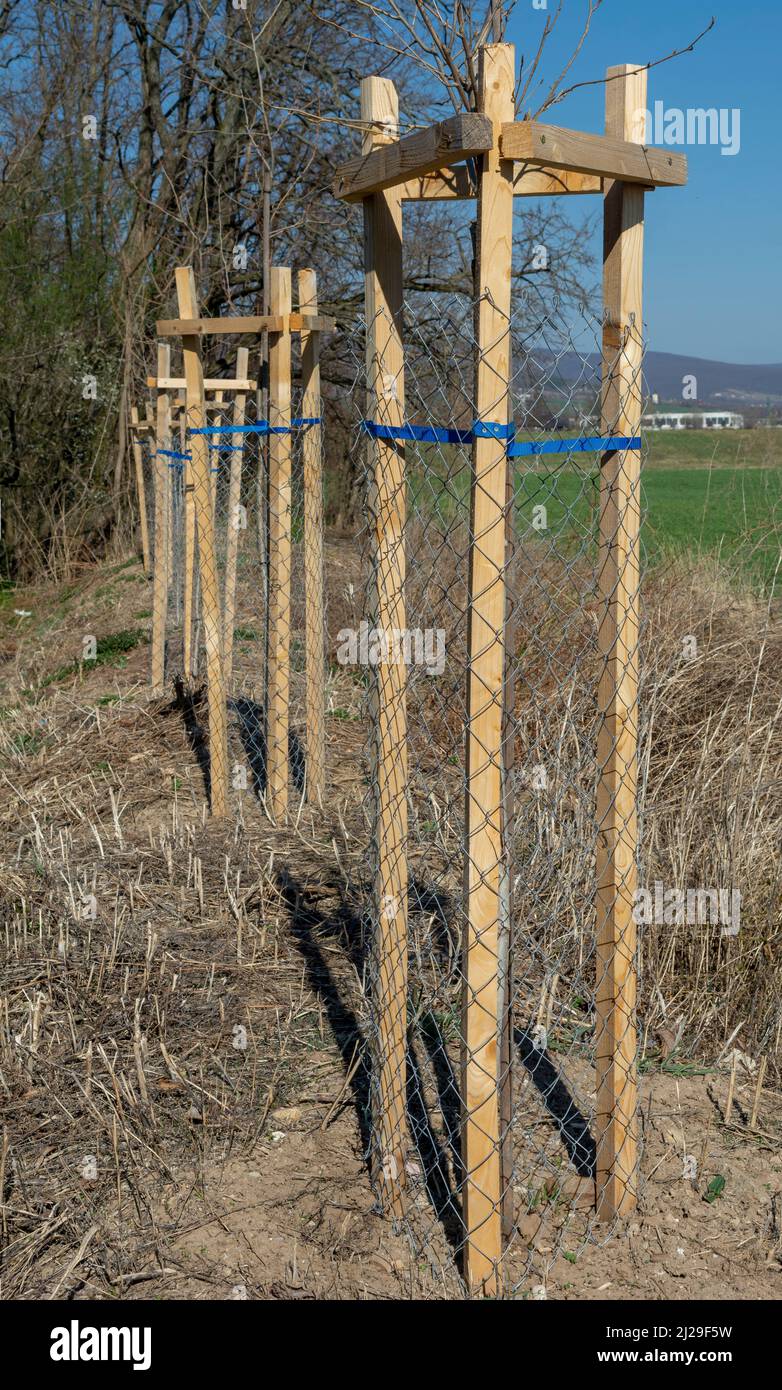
{"x":279,"y":638}
{"x":608,"y":156}
{"x":529,"y":181}
{"x":204,"y":515}
{"x":235,"y":517}
{"x":312,"y":466}
{"x":384,"y":164}
{"x":161,"y":472}
{"x":486,"y":653}
{"x":617,"y":743}
{"x":387,"y":510}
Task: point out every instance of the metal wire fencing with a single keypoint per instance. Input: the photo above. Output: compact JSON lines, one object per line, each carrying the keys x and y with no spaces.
{"x":244,"y":596}
{"x":502,"y":813}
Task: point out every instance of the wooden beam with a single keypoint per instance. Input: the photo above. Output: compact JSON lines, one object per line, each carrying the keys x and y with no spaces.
{"x":387,"y":164}
{"x":528,"y":182}
{"x":608,"y":156}
{"x":386,"y":470}
{"x":210,"y":597}
{"x":617,"y":740}
{"x":235,"y":518}
{"x":178,"y":383}
{"x":279,"y":639}
{"x":484,"y":849}
{"x":312,"y":468}
{"x":161,"y":473}
{"x":258,"y":323}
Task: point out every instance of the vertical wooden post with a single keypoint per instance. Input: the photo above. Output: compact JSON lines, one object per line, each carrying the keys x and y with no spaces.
{"x":141,"y":491}
{"x":189,"y":523}
{"x":278,"y":656}
{"x":484,"y":868}
{"x":617,"y":744}
{"x":234,"y":517}
{"x":313,"y":542}
{"x":202,"y":496}
{"x":386,"y":405}
{"x":162,"y":489}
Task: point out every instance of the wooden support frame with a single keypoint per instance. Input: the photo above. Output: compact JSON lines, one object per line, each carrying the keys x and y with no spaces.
{"x":214,"y":383}
{"x":312,"y":468}
{"x":255,"y":324}
{"x":528,"y":182}
{"x":607,"y":156}
{"x":386,"y":463}
{"x":522,"y":159}
{"x":160,"y":578}
{"x":210,"y":598}
{"x":484,"y":849}
{"x":137,"y":428}
{"x":279,"y":632}
{"x":388,"y":163}
{"x":617,"y":745}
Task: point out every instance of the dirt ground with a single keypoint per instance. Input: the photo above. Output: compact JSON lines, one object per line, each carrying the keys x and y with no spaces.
{"x":180,"y":1087}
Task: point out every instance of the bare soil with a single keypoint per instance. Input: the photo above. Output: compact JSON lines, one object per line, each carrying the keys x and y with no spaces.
{"x":181,"y":1093}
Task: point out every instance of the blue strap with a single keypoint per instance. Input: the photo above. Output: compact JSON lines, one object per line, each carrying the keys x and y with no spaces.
{"x":592,"y":444}
{"x":262,"y":427}
{"x":428,"y":434}
{"x":172,"y":454}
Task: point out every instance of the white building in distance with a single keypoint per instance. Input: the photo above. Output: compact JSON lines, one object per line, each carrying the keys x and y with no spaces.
{"x":693,"y":420}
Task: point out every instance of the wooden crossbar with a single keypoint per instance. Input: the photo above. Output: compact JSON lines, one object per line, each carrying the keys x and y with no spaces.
{"x":256,"y":323}
{"x":215,"y":383}
{"x":602,"y":155}
{"x":529,"y":181}
{"x":384,"y":166}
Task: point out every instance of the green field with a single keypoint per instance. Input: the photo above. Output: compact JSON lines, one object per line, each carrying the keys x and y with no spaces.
{"x":702,"y":493}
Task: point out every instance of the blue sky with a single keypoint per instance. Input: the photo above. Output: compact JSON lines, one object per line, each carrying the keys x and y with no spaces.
{"x":714,"y":248}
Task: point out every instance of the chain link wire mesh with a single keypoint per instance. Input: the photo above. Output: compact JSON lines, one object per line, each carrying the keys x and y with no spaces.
{"x":262,"y":589}
{"x":502,"y":1065}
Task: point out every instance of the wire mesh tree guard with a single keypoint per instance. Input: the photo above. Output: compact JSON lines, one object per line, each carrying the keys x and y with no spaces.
{"x":502,"y":454}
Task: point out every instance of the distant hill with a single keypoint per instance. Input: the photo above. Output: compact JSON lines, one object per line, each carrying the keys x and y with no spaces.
{"x":718,"y":382}
{"x":731,"y":384}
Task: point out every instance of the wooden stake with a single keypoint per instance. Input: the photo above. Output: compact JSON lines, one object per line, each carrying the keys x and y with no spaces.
{"x":485,"y":869}
{"x":278,"y":657}
{"x":234,"y":518}
{"x":160,"y":582}
{"x":313,"y":542}
{"x":385,"y":404}
{"x":210,"y":600}
{"x":617,"y":742}
{"x":141,"y":492}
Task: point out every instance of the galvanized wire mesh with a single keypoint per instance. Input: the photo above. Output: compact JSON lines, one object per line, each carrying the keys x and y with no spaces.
{"x":264,"y":587}
{"x":560,"y":875}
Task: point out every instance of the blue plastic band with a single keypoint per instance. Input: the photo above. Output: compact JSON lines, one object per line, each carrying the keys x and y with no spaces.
{"x":427,"y":434}
{"x":262,"y":427}
{"x":585,"y":445}
{"x":491,"y":429}
{"x":172,"y":454}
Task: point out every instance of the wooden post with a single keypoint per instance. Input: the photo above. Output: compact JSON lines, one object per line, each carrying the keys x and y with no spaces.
{"x":484,"y":870}
{"x":617,"y":744}
{"x":313,"y":542}
{"x":141,"y":491}
{"x":202,"y":496}
{"x":386,"y":405}
{"x":189,"y":564}
{"x":278,"y":657}
{"x":160,"y":582}
{"x":234,"y":517}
